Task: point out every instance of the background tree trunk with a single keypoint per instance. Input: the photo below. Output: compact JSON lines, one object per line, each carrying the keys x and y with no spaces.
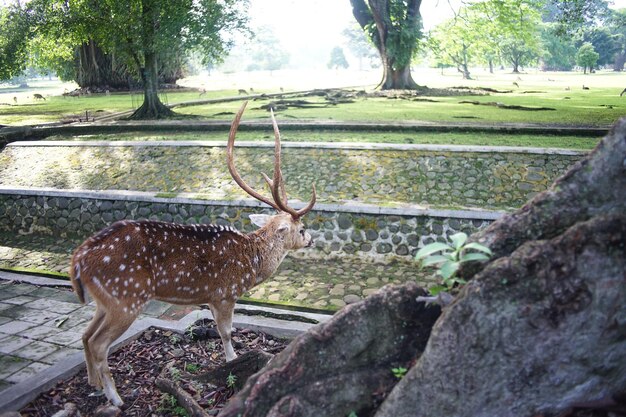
{"x":399,"y":79}
{"x":620,"y":60}
{"x":152,"y":107}
{"x":95,"y":69}
{"x":391,"y":37}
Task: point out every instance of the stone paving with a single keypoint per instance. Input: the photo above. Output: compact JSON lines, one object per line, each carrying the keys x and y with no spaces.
{"x":40,"y":326}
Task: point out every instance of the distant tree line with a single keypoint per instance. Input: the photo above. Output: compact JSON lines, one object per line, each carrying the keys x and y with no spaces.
{"x":554,"y":34}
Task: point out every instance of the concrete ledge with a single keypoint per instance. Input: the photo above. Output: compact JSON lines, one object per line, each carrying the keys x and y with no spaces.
{"x":17,"y":396}
{"x":189,"y":198}
{"x":250,"y":125}
{"x":34,"y":279}
{"x":302,"y":145}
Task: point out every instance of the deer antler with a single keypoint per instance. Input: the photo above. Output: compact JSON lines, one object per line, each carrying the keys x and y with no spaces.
{"x":277,"y":184}
{"x":231,"y":162}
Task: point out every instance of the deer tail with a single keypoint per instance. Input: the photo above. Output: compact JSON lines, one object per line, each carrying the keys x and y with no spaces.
{"x":77,"y":284}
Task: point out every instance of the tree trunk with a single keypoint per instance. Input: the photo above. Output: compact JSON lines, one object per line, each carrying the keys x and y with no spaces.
{"x":620,"y":60}
{"x":397,"y":79}
{"x":465,"y":71}
{"x":515,"y":66}
{"x":465,"y":64}
{"x":152,"y":107}
{"x":491,"y":66}
{"x":94,"y":68}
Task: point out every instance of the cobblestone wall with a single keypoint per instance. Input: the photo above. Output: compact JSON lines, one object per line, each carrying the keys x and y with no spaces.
{"x":442,"y":178}
{"x":334,"y":232}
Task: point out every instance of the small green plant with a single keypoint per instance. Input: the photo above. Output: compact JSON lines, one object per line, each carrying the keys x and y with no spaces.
{"x":180,"y":411}
{"x":167,"y":402}
{"x":192,"y":367}
{"x":399,"y":372}
{"x":352,"y":414}
{"x":174,"y":339}
{"x":231,"y":380}
{"x":189,"y":331}
{"x":449,"y":258}
{"x":175,"y":373}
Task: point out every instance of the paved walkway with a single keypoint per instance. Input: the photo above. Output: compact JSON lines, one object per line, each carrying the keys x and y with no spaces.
{"x":41,"y":325}
{"x":42,"y":322}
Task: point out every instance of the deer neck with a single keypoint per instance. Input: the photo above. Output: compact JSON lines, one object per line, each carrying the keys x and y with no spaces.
{"x":269,"y":251}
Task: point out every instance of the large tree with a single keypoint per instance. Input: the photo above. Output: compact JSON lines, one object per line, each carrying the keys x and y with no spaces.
{"x":517,"y":29}
{"x":454,"y":42}
{"x":142,"y":32}
{"x":587,"y":57}
{"x":395,"y":27}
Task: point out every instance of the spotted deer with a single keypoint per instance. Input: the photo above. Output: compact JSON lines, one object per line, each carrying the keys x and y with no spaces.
{"x":132,"y":262}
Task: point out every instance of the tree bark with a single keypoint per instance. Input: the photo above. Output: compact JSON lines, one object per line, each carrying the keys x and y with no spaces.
{"x":620,"y":60}
{"x":344,"y":365}
{"x":152,"y":107}
{"x":242,"y":367}
{"x":94,"y":68}
{"x":397,"y":79}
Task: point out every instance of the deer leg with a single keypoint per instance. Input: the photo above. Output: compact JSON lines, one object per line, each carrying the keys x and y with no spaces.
{"x":92,"y":375}
{"x":99,"y":343}
{"x":223,"y":315}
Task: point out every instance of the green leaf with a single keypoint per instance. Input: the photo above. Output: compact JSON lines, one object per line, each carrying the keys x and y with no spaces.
{"x":436,"y":289}
{"x":466,"y":257}
{"x":448,"y":269}
{"x":458,"y":239}
{"x":430,"y":249}
{"x":479,"y":247}
{"x":434,"y":260}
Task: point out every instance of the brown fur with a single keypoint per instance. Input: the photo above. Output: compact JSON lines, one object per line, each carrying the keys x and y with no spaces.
{"x":132,"y":262}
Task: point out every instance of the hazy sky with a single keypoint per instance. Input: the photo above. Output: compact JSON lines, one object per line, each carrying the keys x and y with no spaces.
{"x":314,"y":25}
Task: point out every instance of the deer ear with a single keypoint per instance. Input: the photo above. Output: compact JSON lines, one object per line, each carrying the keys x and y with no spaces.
{"x":283,"y":226}
{"x":260,"y":219}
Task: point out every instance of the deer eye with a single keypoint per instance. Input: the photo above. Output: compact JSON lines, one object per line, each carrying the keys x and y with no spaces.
{"x":302,"y":232}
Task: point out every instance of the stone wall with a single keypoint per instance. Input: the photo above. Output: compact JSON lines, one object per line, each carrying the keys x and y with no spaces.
{"x":336,"y":230}
{"x":473,"y":177}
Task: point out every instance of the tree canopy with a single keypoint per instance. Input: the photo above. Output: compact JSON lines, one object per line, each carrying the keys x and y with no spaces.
{"x":138,"y":32}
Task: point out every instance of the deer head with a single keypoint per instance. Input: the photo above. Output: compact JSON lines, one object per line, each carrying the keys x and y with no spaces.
{"x":287,"y":222}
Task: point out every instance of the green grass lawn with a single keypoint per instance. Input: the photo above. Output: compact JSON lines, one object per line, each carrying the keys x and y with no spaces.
{"x":601,"y":105}
{"x":446,"y":138}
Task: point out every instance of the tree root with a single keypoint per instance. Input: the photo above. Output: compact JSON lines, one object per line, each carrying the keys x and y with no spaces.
{"x":184,"y":399}
{"x":505,"y":106}
{"x":240,"y":368}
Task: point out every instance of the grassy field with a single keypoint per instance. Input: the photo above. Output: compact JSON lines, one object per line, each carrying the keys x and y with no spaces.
{"x":519,"y":140}
{"x":600,"y":105}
